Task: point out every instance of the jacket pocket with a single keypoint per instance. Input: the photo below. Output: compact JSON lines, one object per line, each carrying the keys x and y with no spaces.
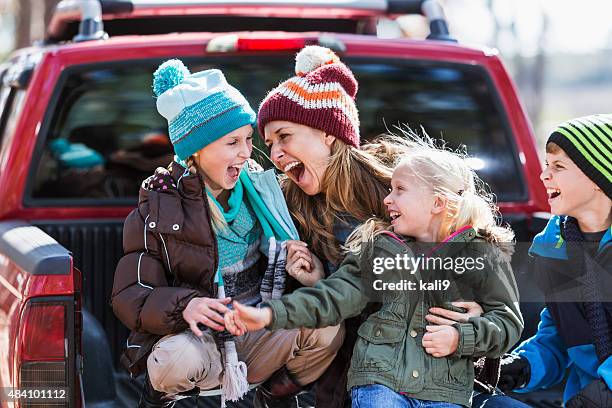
{"x":379,"y":345}
{"x":452,"y":372}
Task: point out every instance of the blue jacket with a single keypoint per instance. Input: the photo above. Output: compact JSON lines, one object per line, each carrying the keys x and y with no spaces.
{"x":554,"y":349}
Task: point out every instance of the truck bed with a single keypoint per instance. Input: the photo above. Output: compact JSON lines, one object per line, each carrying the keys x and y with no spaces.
{"x":97,"y":247}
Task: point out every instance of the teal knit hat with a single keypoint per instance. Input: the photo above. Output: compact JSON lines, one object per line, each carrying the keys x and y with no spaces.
{"x":75,"y":155}
{"x":588,"y":142}
{"x":200,"y":107}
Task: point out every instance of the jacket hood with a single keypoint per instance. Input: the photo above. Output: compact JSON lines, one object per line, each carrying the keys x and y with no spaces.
{"x":172,"y":180}
{"x":550,"y":243}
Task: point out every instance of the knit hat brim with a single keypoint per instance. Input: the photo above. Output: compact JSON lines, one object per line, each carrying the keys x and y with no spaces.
{"x":330,"y":120}
{"x":588,"y":143}
{"x":209,"y":131}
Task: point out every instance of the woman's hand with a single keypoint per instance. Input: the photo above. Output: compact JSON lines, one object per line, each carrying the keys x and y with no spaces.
{"x":442,"y":316}
{"x":302,"y":264}
{"x":441,"y":341}
{"x":247,"y":318}
{"x":207,"y":311}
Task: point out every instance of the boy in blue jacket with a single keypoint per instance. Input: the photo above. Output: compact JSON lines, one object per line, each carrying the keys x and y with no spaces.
{"x":573,"y":267}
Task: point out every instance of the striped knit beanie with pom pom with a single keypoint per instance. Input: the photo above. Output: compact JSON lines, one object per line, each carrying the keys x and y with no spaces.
{"x":200,"y":107}
{"x":321,"y":96}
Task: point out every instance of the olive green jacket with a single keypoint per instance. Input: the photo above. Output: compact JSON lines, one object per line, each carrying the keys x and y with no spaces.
{"x":389,"y":349}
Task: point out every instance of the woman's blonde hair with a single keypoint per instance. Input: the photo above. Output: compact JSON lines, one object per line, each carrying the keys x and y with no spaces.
{"x":216,"y":217}
{"x":449,"y":175}
{"x":354,"y":184}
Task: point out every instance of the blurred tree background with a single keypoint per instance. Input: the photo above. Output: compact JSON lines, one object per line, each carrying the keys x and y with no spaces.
{"x":559,"y":52}
{"x":23,"y":21}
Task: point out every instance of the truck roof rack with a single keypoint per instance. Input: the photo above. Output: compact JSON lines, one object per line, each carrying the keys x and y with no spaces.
{"x":83,"y":20}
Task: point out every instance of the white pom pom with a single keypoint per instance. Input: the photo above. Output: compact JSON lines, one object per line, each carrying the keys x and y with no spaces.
{"x":313,"y":57}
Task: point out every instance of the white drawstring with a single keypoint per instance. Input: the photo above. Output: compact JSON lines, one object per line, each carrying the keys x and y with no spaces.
{"x":166,"y":251}
{"x":139,"y":282}
{"x":145,"y":232}
{"x":128,"y":345}
{"x":185,"y":173}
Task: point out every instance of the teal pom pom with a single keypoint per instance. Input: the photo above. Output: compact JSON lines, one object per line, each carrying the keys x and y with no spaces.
{"x":168,"y":75}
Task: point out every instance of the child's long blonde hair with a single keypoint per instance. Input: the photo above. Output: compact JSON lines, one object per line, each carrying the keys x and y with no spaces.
{"x":216,"y":217}
{"x":355,"y":183}
{"x":449,"y":175}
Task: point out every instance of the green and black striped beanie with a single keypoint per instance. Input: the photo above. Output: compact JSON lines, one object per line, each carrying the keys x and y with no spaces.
{"x":588,"y":142}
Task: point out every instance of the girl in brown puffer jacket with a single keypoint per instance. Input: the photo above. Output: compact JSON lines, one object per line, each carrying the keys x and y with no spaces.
{"x":208,"y":217}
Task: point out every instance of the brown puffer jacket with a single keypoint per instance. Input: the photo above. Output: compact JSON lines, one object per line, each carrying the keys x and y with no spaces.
{"x":151,"y":289}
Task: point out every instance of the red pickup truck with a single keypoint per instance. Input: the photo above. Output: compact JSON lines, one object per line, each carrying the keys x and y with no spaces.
{"x":79,"y":132}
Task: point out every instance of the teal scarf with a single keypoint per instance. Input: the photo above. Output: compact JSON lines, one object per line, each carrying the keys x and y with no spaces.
{"x":234,"y":202}
{"x":269,"y":224}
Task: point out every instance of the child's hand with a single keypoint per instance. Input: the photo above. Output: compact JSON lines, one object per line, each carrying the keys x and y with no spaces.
{"x":441,"y":316}
{"x":247,"y":318}
{"x":207,"y":311}
{"x":441,"y":341}
{"x":233,"y":324}
{"x":302,"y":264}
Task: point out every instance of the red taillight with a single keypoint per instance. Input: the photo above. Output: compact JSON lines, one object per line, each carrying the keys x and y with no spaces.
{"x":270,"y":44}
{"x":45,"y":351}
{"x":44,"y":329}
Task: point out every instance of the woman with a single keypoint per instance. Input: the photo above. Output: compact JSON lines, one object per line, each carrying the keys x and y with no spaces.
{"x":332,"y":185}
{"x":310,"y":124}
{"x":200,"y":230}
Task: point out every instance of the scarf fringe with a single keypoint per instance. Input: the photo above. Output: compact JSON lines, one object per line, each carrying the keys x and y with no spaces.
{"x":235,"y":384}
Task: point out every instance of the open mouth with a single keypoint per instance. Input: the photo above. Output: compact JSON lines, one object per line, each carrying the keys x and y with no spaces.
{"x":234,"y":171}
{"x":394,"y":215}
{"x":553,"y":193}
{"x":295,"y":170}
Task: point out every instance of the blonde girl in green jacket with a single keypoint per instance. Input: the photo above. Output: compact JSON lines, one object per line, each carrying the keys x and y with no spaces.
{"x":399,"y":360}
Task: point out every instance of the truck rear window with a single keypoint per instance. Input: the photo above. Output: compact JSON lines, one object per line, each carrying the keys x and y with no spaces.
{"x":105,"y":135}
